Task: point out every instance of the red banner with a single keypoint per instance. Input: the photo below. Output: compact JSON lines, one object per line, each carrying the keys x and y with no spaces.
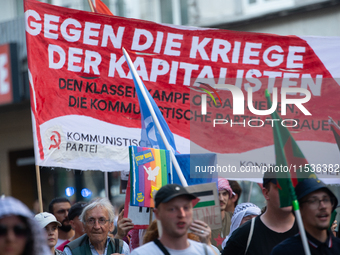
{"x":81,"y":86}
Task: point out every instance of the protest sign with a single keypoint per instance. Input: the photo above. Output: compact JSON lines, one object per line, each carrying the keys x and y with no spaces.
{"x":85,"y":109}
{"x":150,"y":170}
{"x":140,"y":216}
{"x":208,"y":207}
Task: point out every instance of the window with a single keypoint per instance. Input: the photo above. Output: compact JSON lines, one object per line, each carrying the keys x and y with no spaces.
{"x":174,"y":11}
{"x":264,"y":6}
{"x":166,"y":11}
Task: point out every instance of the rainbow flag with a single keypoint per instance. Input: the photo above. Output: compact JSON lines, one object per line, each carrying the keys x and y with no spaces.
{"x":150,"y":169}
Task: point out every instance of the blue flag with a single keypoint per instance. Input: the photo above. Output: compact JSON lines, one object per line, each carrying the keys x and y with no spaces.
{"x":188,"y":163}
{"x":150,"y":136}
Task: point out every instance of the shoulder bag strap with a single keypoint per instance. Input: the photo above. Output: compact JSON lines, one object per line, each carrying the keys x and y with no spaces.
{"x":205,"y":249}
{"x":252,"y":224}
{"x":161,"y":246}
{"x":117,"y":245}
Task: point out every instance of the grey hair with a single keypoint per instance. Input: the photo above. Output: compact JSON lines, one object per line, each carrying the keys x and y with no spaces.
{"x":101,"y":202}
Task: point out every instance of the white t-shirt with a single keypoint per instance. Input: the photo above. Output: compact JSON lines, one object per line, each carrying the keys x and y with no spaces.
{"x":152,"y":248}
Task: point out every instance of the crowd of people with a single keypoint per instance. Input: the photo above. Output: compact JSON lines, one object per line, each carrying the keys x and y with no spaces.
{"x":89,"y":228}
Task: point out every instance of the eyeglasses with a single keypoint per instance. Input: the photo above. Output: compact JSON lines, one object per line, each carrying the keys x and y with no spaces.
{"x":19,"y":231}
{"x":315,"y":202}
{"x":92,"y":221}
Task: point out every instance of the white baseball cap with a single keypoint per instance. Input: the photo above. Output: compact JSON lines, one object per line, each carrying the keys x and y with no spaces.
{"x":46,"y":218}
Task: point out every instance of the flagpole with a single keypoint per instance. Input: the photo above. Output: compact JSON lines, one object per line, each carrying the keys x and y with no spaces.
{"x":295,"y":202}
{"x":335,"y":129}
{"x":298,"y":218}
{"x":91,"y":5}
{"x":153,"y":114}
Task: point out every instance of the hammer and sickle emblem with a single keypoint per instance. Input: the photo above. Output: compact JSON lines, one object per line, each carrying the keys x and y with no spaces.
{"x":56,"y":142}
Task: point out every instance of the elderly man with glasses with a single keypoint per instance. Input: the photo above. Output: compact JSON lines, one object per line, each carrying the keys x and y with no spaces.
{"x":97,"y":219}
{"x":317,"y":202}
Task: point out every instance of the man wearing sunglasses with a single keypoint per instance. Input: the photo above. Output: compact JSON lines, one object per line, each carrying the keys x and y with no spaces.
{"x":317,"y":202}
{"x":97,"y":219}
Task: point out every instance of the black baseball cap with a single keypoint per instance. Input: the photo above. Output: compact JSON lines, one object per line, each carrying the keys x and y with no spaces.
{"x":310,"y":185}
{"x":269,"y":176}
{"x":170,"y":191}
{"x":76,"y":210}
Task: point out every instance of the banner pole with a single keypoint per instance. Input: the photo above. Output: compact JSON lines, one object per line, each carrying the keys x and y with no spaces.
{"x":151,"y":214}
{"x":250,"y":190}
{"x":37,"y":173}
{"x":106,"y":180}
{"x":153,"y":114}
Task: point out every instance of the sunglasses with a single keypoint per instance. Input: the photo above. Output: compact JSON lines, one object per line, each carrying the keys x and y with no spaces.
{"x":19,"y":231}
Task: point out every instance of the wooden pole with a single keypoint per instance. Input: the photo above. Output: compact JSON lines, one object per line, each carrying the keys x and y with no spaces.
{"x":37,"y":173}
{"x":106,"y":180}
{"x":250,"y":190}
{"x":150,"y":218}
{"x":91,"y":5}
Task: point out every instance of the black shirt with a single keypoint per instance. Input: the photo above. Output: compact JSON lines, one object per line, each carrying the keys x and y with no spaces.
{"x":294,"y":246}
{"x":262,"y":241}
